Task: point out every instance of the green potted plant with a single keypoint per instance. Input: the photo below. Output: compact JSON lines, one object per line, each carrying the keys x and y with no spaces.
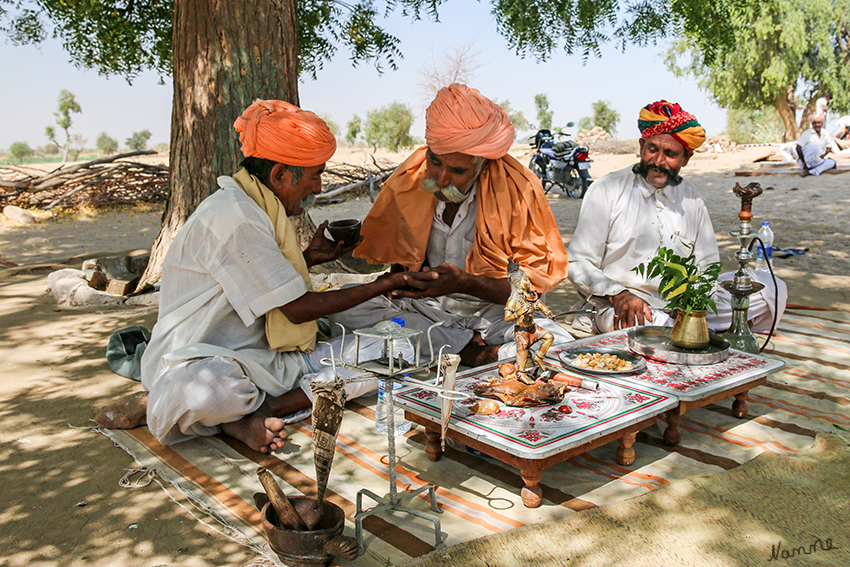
{"x":687,"y":289}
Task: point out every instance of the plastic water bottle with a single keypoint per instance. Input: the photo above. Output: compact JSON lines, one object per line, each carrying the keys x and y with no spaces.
{"x":766,"y":236}
{"x":405,"y":349}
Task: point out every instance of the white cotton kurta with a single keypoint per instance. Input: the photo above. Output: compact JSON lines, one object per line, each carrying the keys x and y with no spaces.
{"x":208,"y":361}
{"x":623,"y":222}
{"x":461,"y":315}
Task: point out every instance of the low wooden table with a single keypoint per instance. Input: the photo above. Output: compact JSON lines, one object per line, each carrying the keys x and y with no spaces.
{"x":533,"y":439}
{"x":694,"y":386}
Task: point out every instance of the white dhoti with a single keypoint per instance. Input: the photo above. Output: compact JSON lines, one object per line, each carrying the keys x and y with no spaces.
{"x":197,"y":393}
{"x":456,"y":329}
{"x":813,"y":158}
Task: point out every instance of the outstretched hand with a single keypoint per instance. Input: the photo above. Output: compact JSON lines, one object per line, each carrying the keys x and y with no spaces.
{"x":630,"y":310}
{"x":432,"y":282}
{"x":322,"y":249}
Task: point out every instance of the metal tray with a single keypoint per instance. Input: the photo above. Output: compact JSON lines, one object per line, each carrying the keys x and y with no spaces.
{"x":654,"y":342}
{"x":638,"y":363}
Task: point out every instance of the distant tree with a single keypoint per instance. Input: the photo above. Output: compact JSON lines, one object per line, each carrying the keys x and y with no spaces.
{"x":754,"y":126}
{"x":544,"y":115}
{"x":139,"y":140}
{"x":389,"y":126}
{"x":517,"y":118}
{"x":456,"y":64}
{"x":785,"y":54}
{"x":106,"y":145}
{"x":50,"y":149}
{"x":352,"y":130}
{"x":78,"y":145}
{"x":67,"y":105}
{"x":603,"y":116}
{"x":20,"y":150}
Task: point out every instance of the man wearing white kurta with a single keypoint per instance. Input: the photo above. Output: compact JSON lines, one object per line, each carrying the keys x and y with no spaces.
{"x":813,"y":146}
{"x":237,"y":333}
{"x":628,"y":215}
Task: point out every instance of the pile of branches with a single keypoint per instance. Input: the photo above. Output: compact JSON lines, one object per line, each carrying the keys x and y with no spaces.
{"x":103,"y":182}
{"x":355,"y":180}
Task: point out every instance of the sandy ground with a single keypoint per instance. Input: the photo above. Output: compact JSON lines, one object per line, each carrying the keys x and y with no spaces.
{"x":62,"y":503}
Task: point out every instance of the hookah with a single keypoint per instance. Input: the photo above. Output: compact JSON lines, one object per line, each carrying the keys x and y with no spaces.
{"x":742,"y":286}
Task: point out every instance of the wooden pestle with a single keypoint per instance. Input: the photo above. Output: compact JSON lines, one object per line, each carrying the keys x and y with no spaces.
{"x":289,"y":517}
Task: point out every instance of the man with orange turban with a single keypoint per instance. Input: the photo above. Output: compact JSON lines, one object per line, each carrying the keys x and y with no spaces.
{"x":236,"y":336}
{"x":628,"y":215}
{"x":458,"y":209}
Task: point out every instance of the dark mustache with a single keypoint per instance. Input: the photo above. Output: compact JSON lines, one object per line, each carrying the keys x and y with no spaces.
{"x":643,"y":170}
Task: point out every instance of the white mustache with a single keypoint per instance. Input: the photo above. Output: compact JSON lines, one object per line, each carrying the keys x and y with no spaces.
{"x":450,"y":193}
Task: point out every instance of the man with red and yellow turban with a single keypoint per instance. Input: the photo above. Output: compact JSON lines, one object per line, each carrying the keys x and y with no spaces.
{"x":628,"y":215}
{"x":458,"y":209}
{"x":235,"y":342}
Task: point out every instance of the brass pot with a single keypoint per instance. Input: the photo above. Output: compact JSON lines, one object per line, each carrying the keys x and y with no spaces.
{"x":690,"y":331}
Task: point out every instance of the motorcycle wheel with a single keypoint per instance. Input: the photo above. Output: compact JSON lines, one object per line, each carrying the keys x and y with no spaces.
{"x":537,"y":170}
{"x":577,"y":186}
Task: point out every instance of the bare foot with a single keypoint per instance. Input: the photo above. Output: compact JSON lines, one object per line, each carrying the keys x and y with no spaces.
{"x":259,"y":431}
{"x":127,"y":413}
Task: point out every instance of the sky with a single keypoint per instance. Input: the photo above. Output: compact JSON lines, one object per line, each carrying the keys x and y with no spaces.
{"x":628,"y":81}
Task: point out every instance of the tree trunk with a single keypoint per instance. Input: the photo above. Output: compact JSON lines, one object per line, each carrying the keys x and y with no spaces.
{"x":783,"y":106}
{"x":226,"y":54}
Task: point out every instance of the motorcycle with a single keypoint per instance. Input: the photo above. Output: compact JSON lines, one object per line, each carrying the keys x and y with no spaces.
{"x":562,"y":163}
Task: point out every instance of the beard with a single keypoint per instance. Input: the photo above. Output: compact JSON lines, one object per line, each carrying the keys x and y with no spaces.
{"x":644,"y":168}
{"x":449,"y":193}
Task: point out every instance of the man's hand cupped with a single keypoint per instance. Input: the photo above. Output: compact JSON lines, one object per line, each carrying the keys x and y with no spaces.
{"x":432,"y":282}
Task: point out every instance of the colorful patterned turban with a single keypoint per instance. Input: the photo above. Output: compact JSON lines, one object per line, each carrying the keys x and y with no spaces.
{"x":663,"y":117}
{"x":463,"y":120}
{"x":283,"y":133}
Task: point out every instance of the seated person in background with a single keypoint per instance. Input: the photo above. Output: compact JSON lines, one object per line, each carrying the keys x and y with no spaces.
{"x":813,"y":146}
{"x":841,"y":133}
{"x":628,"y":215}
{"x":458,"y":208}
{"x":236,"y":334}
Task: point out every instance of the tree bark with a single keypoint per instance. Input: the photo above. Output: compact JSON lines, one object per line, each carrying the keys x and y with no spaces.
{"x":226,"y":54}
{"x":783,"y":104}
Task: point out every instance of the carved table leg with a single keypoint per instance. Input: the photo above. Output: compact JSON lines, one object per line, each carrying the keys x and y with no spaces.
{"x":531,"y":494}
{"x":433,"y":447}
{"x":672,"y":435}
{"x":740,"y":408}
{"x":625,"y":453}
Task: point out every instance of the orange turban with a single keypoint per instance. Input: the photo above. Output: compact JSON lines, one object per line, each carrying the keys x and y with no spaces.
{"x":463,"y":120}
{"x":663,"y":117}
{"x":283,"y":133}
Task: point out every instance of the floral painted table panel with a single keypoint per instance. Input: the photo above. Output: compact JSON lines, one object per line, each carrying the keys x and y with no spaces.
{"x":688,"y":383}
{"x":539,"y":432}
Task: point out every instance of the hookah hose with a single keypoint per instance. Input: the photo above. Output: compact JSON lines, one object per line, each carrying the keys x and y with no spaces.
{"x":775,"y":288}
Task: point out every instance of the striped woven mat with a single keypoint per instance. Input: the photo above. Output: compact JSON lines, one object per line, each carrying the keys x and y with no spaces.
{"x":480,"y":496}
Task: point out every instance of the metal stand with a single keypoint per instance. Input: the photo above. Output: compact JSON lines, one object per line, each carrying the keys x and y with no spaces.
{"x":395,"y":502}
{"x":742,"y":286}
{"x":393,"y":370}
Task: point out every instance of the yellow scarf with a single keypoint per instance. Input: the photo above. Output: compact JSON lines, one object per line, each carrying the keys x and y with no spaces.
{"x":281,"y":333}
